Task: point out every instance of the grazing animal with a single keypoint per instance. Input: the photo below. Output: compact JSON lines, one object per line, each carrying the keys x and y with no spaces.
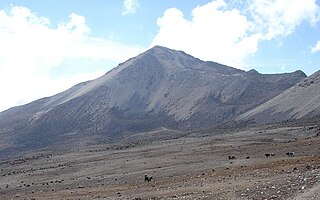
{"x":232,"y":157}
{"x":269,"y":154}
{"x":147,"y":178}
{"x":290,"y":154}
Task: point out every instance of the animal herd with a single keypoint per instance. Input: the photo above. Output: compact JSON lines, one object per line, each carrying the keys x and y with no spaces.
{"x":231,"y":157}
{"x":289,"y":154}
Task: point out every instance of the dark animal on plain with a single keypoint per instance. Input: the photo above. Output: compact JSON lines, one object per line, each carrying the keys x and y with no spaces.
{"x":269,"y":154}
{"x":290,"y":154}
{"x":147,"y":178}
{"x":232,"y":157}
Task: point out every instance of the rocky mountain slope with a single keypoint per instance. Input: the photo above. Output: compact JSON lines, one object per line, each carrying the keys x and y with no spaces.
{"x":159,"y":89}
{"x":300,"y":101}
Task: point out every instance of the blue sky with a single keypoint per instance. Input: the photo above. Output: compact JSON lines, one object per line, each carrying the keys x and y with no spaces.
{"x":48,"y":46}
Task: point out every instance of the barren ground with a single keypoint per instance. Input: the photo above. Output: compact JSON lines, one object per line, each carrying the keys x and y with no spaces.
{"x":184,"y":168}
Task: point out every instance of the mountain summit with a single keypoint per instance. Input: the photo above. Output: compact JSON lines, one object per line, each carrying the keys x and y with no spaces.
{"x":158,"y":88}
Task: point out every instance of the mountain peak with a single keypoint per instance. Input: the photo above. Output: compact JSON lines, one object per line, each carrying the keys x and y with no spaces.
{"x":159,"y":47}
{"x":166,"y":58}
{"x":160,"y":50}
{"x":300,"y":73}
{"x":163,"y":48}
{"x":164,"y":52}
{"x":253,"y":72}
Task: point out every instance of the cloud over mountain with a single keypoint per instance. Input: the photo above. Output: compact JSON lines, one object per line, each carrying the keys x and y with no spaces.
{"x":229,"y":33}
{"x":32,"y":48}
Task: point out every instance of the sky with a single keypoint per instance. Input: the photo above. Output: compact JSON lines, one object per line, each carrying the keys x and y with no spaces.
{"x":48,"y":46}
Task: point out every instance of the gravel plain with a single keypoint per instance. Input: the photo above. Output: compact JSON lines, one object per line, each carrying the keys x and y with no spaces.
{"x":182,"y":168}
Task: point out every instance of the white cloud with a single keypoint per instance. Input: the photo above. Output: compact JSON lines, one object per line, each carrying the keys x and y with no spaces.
{"x":213,"y":33}
{"x":130,"y":6}
{"x":228,"y":34}
{"x":316,"y":48}
{"x":32,"y":48}
{"x":280,"y":18}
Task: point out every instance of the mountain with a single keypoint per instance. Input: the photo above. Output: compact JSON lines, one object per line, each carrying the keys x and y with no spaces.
{"x":158,"y":89}
{"x":300,"y":101}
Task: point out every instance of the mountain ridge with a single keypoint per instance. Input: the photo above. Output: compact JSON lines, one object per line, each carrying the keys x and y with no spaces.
{"x":299,"y":101}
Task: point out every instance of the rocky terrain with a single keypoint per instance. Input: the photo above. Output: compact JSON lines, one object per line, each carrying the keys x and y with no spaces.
{"x":243,"y":164}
